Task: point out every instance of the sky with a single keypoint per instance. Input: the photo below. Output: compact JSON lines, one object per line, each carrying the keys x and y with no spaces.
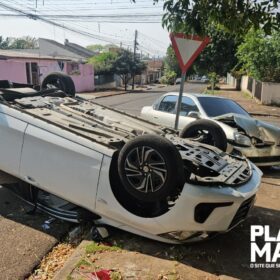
{"x":115,"y":21}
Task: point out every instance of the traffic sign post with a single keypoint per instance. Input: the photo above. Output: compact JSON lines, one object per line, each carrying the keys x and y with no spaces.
{"x":187,"y":48}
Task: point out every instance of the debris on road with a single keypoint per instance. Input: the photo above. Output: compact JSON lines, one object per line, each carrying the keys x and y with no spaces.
{"x":52,"y":262}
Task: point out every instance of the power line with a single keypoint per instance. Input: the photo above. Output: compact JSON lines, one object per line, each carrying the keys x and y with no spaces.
{"x":38,"y":17}
{"x":59,"y":19}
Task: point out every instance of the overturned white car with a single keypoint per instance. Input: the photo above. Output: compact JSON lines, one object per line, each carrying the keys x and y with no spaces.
{"x":129,"y":173}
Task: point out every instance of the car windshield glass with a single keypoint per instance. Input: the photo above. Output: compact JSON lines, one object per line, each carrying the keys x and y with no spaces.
{"x":215,"y":107}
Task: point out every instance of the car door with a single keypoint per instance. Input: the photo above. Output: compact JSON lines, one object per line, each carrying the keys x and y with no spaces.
{"x":60,"y":166}
{"x":11,"y":139}
{"x":165,"y":111}
{"x":188,"y":105}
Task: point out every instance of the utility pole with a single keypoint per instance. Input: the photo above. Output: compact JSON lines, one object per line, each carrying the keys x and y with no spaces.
{"x":134,"y":56}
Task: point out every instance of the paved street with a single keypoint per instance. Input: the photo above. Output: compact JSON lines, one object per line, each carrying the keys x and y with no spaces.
{"x":133,"y":102}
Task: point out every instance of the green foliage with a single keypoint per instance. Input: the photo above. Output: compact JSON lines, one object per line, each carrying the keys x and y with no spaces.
{"x":96,"y":48}
{"x":168,"y":78}
{"x":171,"y":62}
{"x":233,"y":16}
{"x":103,"y":63}
{"x":26,"y":42}
{"x":214,"y":79}
{"x":4,"y":43}
{"x":95,"y":247}
{"x":260,"y":55}
{"x":220,"y":54}
{"x":125,"y":66}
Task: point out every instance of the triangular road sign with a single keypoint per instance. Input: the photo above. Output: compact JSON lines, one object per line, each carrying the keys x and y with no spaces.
{"x":187,"y":48}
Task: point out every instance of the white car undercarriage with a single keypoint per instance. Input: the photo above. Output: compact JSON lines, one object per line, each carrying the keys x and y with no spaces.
{"x":128,"y":172}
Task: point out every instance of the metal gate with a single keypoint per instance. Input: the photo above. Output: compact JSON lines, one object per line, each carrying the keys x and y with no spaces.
{"x":258,"y":90}
{"x":250,"y":84}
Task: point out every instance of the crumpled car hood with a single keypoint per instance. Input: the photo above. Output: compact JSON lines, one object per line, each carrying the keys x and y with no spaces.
{"x":254,"y":128}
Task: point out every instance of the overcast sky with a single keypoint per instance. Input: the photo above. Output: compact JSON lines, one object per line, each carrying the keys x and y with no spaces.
{"x":153,"y":39}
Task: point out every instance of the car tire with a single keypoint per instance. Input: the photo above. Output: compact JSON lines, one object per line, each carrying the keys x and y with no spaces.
{"x":151,"y":168}
{"x":213,"y":133}
{"x":60,"y":81}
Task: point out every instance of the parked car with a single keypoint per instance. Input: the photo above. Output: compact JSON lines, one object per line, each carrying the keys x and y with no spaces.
{"x":204,"y":79}
{"x":73,"y":157}
{"x":178,"y":81}
{"x":220,"y":122}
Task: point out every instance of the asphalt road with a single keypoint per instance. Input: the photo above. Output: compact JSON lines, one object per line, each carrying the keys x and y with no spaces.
{"x":133,"y":102}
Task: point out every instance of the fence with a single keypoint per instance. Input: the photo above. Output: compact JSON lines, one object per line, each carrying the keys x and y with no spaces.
{"x":266,"y":93}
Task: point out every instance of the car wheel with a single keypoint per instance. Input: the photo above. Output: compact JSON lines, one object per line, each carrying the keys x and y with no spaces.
{"x":60,"y":81}
{"x":207,"y":132}
{"x":151,"y":168}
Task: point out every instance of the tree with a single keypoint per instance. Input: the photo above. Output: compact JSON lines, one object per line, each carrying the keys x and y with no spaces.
{"x":19,"y":43}
{"x":103,"y":63}
{"x":26,"y":42}
{"x":96,"y":48}
{"x":220,"y":54}
{"x":171,"y":62}
{"x":259,"y":55}
{"x":125,"y":65}
{"x":4,"y":43}
{"x":233,"y":16}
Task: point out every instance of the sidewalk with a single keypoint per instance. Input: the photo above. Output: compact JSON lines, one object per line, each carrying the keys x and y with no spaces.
{"x":246,"y":101}
{"x":117,"y":91}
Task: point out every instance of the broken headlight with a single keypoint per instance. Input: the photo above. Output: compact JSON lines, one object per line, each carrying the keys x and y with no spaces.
{"x":241,"y":139}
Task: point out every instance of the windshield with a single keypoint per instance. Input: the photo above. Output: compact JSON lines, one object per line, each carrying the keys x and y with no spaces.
{"x":215,"y":107}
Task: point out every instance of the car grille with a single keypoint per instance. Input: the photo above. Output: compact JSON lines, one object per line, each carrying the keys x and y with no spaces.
{"x":242,"y":212}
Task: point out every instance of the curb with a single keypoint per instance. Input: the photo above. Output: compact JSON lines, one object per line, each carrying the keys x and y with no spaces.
{"x":109,"y":95}
{"x":70,"y":264}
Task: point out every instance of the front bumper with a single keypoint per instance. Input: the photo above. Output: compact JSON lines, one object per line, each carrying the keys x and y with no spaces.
{"x":265,"y":156}
{"x":181,"y":216}
{"x":236,"y":204}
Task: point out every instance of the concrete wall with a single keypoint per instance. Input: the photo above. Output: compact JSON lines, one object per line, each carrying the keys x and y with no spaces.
{"x":15,"y":71}
{"x":266,"y":93}
{"x":270,"y":93}
{"x":244,"y":83}
{"x":230,"y":80}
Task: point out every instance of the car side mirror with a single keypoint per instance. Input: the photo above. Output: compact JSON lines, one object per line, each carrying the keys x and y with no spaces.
{"x":193,"y":114}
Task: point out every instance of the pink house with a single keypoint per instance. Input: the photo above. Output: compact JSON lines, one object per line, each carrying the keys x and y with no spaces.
{"x":32,"y":68}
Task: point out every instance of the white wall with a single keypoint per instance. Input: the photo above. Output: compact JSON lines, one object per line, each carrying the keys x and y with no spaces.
{"x":244,"y":83}
{"x":270,"y":93}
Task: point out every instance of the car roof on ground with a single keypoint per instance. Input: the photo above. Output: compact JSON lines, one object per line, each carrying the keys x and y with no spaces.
{"x":195,"y":94}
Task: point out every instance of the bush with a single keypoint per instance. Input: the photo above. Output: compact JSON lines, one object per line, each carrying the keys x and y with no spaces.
{"x":214,"y":79}
{"x":168,"y":78}
{"x":260,"y":56}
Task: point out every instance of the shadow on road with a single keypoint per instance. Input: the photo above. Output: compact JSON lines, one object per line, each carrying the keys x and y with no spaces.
{"x":271,"y":172}
{"x":13,"y":208}
{"x":24,"y":239}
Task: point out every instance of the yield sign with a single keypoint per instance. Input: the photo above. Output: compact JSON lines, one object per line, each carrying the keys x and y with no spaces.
{"x":187,"y":48}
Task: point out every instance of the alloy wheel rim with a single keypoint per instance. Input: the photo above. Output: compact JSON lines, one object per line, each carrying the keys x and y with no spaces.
{"x":145,"y":169}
